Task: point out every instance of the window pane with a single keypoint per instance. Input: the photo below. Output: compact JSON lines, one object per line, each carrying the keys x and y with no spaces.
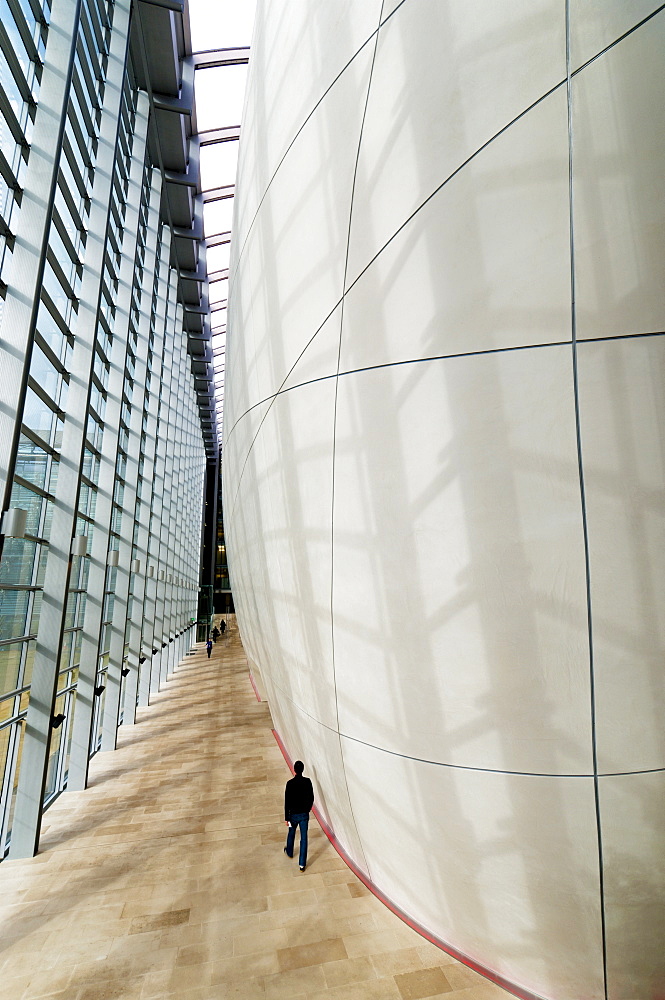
{"x":18,"y":558}
{"x":37,"y":415}
{"x":32,"y":462}
{"x":10,"y":663}
{"x":43,"y":372}
{"x":13,"y":612}
{"x":32,"y":503}
{"x":19,"y":729}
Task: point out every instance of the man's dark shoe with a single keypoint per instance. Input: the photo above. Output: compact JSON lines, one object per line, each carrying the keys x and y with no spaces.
{"x":302,"y":868}
{"x":287,"y":853}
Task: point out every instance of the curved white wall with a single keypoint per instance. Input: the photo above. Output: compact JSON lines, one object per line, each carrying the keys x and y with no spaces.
{"x":443,"y":480}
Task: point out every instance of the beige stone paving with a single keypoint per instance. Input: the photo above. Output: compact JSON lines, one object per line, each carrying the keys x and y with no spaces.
{"x":166,"y":878}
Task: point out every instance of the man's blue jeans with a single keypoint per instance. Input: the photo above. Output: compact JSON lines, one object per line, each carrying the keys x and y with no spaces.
{"x":301,"y":820}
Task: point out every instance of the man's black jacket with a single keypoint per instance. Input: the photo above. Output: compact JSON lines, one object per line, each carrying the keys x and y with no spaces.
{"x":298,"y":796}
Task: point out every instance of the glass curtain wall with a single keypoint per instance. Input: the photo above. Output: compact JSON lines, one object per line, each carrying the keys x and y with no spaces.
{"x":102,"y":449}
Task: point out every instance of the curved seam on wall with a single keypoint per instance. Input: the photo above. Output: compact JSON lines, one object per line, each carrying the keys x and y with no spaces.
{"x":602,"y":52}
{"x":616,"y":41}
{"x":460,"y":956}
{"x":429,"y":197}
{"x":334,"y":433}
{"x":272,"y":399}
{"x":415,"y":212}
{"x":346,"y":66}
{"x":458,"y":767}
{"x":290,"y":145}
{"x":583,"y":508}
{"x":437,"y":357}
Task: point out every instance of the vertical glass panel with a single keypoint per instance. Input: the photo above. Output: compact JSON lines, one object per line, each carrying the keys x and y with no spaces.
{"x":4,"y":752}
{"x":37,"y":415}
{"x":13,"y":612}
{"x":70,"y":611}
{"x":90,"y":466}
{"x":98,"y":729}
{"x":9,"y":25}
{"x":48,"y":510}
{"x":76,"y":654}
{"x":16,"y":750}
{"x":67,"y":641}
{"x":35,"y":611}
{"x":10,"y":665}
{"x":105,"y":643}
{"x":31,"y":462}
{"x":41,"y":565}
{"x":10,"y":88}
{"x":57,"y":293}
{"x":29,"y":662}
{"x":51,"y":332}
{"x":6,"y":711}
{"x":54,"y":750}
{"x":43,"y":372}
{"x":32,"y":503}
{"x":18,"y":559}
{"x":70,"y":709}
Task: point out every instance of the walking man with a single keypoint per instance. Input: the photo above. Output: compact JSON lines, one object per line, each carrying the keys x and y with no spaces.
{"x":209,"y":647}
{"x":298,"y":801}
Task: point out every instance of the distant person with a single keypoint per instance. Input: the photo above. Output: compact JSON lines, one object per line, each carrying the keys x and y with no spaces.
{"x":222,"y":625}
{"x":209,"y":647}
{"x":215,"y":634}
{"x":298,"y":801}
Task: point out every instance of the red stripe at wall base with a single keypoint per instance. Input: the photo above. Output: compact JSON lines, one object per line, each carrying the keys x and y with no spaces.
{"x":478,"y":967}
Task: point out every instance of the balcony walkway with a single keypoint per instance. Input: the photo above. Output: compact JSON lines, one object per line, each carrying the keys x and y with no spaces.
{"x":166,"y":878}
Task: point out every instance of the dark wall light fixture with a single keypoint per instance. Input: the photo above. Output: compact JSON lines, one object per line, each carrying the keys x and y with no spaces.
{"x":57,"y":720}
{"x":99,"y":690}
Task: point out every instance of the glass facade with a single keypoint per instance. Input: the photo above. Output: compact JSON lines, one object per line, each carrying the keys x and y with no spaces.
{"x":101,"y":440}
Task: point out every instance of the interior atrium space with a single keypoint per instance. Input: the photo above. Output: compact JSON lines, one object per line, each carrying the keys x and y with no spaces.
{"x":332,"y":370}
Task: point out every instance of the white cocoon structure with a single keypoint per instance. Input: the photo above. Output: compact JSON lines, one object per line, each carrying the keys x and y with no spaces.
{"x":443,"y":461}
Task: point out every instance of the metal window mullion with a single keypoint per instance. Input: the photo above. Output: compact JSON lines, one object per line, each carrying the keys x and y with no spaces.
{"x":118,"y":633}
{"x":138,"y":679}
{"x":149,"y":680}
{"x":183,"y":370}
{"x":176,"y":510}
{"x":84,"y":717}
{"x":164,"y":444}
{"x":168,"y":533}
{"x":184,"y":375}
{"x":149,"y":453}
{"x":162,"y":512}
{"x":174,"y":521}
{"x":34,"y":763}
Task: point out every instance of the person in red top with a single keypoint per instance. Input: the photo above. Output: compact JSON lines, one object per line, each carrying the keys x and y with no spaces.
{"x":298,"y":801}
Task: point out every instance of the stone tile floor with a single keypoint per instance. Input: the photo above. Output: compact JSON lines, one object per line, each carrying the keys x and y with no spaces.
{"x":166,"y":878}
